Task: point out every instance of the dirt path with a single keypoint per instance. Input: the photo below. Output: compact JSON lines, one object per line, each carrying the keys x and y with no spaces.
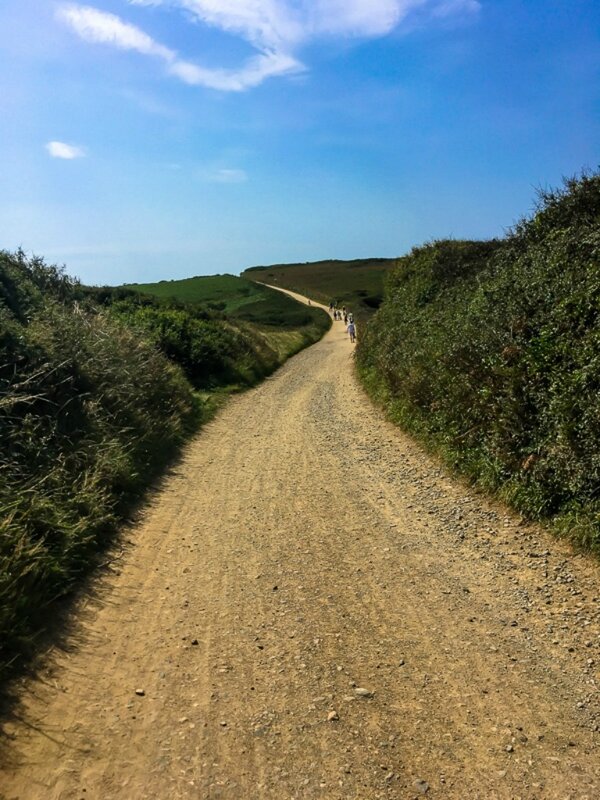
{"x":301,"y":551}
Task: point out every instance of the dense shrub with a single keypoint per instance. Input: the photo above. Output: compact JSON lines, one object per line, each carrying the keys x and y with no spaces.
{"x":217,"y":347}
{"x":88,"y":411}
{"x":209,"y":351}
{"x":490,"y":351}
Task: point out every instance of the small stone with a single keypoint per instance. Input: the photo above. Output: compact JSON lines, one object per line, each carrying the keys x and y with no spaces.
{"x":421,"y":786}
{"x":140,"y":692}
{"x":509,"y":748}
{"x":360,"y":692}
{"x":333,"y":716}
{"x":195,"y":642}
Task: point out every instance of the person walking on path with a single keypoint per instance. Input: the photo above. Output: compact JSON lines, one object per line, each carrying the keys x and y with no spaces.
{"x":352,"y":332}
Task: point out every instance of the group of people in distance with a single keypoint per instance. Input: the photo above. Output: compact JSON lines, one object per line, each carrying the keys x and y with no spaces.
{"x":344,"y":316}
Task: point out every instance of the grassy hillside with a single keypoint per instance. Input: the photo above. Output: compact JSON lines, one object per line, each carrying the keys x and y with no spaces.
{"x":490,"y":353}
{"x":236,"y":298}
{"x":217,"y":292}
{"x":356,"y":284}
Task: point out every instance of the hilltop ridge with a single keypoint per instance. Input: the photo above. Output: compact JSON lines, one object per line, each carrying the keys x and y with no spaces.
{"x":357,"y":283}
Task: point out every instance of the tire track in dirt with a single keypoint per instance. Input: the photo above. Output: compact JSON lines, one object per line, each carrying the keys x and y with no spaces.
{"x":301,"y":549}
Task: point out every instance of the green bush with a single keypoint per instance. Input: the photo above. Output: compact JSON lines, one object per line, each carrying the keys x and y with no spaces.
{"x":490,"y":351}
{"x":217,"y":349}
{"x":88,"y":411}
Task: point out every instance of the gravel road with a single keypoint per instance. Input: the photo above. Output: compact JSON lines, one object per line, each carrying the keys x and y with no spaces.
{"x":310,"y":607}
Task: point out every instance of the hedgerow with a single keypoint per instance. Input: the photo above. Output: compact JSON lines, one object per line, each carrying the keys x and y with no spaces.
{"x":88,"y":411}
{"x":490,"y":352}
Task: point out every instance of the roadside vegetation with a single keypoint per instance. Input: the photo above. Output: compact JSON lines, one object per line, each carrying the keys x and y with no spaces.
{"x":98,"y":389}
{"x":489,"y":352}
{"x":357,"y":284}
{"x":221,"y":344}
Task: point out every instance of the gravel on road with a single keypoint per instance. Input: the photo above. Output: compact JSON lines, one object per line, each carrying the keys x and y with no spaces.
{"x":311,"y":607}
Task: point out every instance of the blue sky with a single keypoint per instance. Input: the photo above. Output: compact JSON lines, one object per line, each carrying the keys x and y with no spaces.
{"x":150,"y":139}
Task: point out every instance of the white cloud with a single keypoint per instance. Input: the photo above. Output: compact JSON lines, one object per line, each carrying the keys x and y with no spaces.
{"x":267,"y":24}
{"x":360,"y":18}
{"x":276,"y":28}
{"x":100,"y":27}
{"x":447,"y":8}
{"x":228,"y":176}
{"x":64,"y":150}
{"x":254,"y":72}
{"x":283,"y":25}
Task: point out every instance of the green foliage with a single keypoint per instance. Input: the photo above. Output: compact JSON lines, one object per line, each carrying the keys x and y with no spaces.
{"x":490,"y":351}
{"x":214,"y":348}
{"x":215,"y":327}
{"x":88,"y":413}
{"x":280,"y":311}
{"x":210,"y":352}
{"x":235,"y":298}
{"x":356,"y":284}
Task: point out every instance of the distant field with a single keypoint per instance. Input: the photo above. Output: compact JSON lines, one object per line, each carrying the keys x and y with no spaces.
{"x":224,"y":292}
{"x":238,"y":298}
{"x":357,"y":284}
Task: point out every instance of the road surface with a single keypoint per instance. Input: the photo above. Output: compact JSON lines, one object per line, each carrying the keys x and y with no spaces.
{"x":309,"y":607}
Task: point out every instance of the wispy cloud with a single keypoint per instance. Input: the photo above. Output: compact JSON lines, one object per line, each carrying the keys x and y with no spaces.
{"x":228,"y":176}
{"x":277,"y":29}
{"x":101,"y":27}
{"x":64,"y":150}
{"x":255,"y":71}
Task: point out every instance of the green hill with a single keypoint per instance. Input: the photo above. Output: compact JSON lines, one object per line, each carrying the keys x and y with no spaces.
{"x":219,"y":292}
{"x":356,"y":284}
{"x":236,"y":298}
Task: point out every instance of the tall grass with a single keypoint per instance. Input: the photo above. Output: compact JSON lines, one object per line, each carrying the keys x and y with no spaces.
{"x":88,"y":411}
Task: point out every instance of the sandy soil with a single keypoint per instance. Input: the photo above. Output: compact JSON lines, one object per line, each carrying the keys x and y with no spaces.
{"x":311,"y":608}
